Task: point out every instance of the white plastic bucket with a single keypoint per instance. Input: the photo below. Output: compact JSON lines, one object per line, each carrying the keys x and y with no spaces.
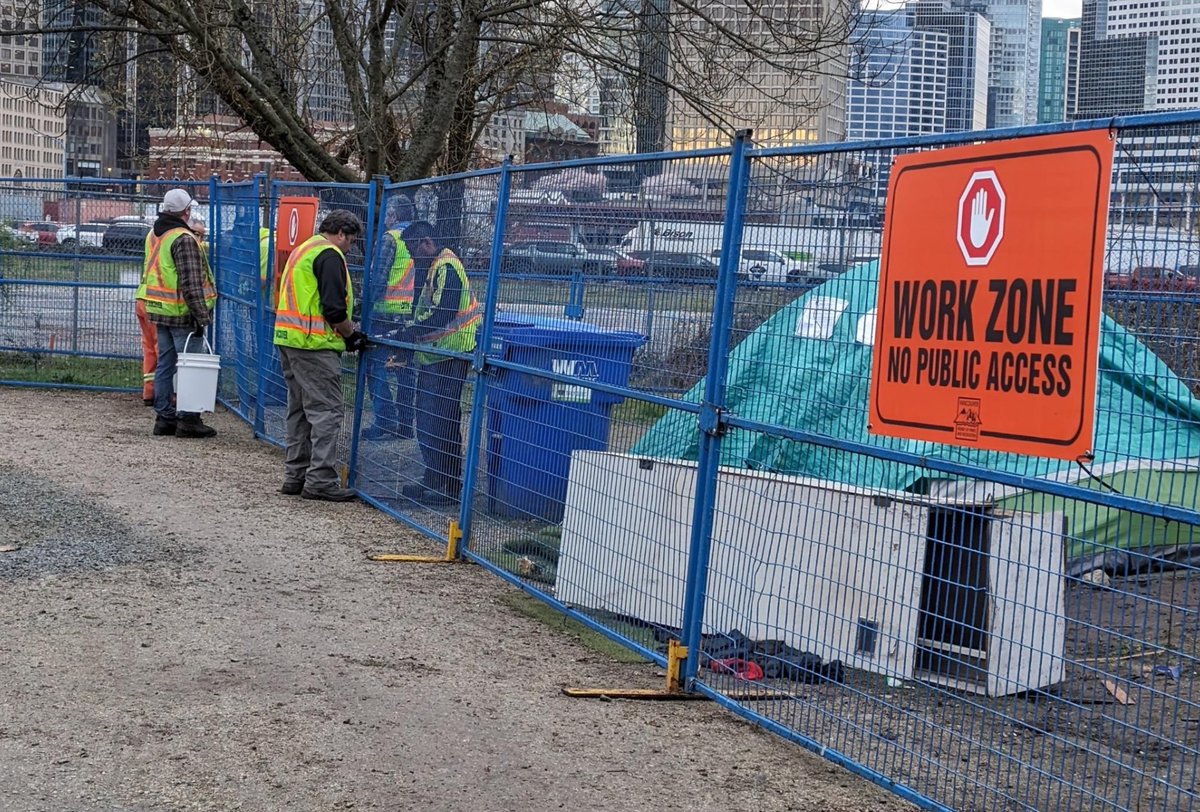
{"x":196,"y":376}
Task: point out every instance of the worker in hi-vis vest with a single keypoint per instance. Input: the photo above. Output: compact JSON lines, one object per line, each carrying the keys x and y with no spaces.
{"x":245,"y":314}
{"x":264,"y":259}
{"x":445,"y":318}
{"x":149,"y":350}
{"x":314,"y":325}
{"x":390,"y":372}
{"x":149,"y":330}
{"x":179,"y":293}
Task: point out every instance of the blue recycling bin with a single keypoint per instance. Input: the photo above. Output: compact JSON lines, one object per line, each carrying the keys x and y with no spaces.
{"x":534,"y":423}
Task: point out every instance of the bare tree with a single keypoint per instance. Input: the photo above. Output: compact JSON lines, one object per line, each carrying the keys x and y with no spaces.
{"x":348,"y":89}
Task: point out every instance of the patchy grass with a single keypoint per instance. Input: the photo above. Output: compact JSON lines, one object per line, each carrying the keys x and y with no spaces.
{"x":53,"y":267}
{"x":34,"y":367}
{"x":638,"y":411}
{"x":531,"y":607}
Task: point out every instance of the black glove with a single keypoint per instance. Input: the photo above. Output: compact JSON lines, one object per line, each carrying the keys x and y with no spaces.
{"x":199,"y":330}
{"x":357,"y":341}
{"x":405,"y":334}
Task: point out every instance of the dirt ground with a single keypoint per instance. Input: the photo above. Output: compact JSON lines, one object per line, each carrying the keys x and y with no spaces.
{"x":178,"y":636}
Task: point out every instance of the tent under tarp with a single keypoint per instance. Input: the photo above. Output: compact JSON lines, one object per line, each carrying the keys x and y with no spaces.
{"x":808,"y":367}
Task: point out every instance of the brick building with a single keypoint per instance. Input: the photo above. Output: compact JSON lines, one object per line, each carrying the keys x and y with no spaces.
{"x":220,"y":146}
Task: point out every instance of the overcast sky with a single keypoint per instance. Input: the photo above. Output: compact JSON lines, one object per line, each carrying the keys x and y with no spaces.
{"x":1061,"y":8}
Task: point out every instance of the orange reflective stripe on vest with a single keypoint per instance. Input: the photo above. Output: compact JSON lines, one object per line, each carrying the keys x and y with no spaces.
{"x":154,"y":288}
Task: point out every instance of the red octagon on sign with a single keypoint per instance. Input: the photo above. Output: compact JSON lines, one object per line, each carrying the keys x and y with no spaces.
{"x":981,"y":218}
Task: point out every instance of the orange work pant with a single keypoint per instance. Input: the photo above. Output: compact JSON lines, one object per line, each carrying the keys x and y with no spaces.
{"x":149,"y":350}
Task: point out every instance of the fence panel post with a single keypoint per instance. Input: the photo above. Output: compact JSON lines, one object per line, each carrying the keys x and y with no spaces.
{"x":483,"y":346}
{"x":77,"y":265}
{"x":213,"y":225}
{"x":374,"y":216}
{"x":266,"y":331}
{"x":712,"y":410}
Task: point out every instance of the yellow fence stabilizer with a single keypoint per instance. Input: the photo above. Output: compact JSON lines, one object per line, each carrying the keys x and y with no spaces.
{"x":453,"y":540}
{"x":676,"y":654}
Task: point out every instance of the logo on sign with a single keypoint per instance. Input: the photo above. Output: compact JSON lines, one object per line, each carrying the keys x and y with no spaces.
{"x":967,"y":421}
{"x":293,"y":227}
{"x":568,"y":393}
{"x":981,"y":218}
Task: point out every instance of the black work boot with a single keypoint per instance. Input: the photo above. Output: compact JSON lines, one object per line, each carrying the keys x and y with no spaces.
{"x":164,"y":427}
{"x":191,"y":426}
{"x":329,"y":494}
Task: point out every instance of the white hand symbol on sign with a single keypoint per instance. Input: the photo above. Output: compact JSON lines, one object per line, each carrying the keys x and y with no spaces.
{"x":981,"y":218}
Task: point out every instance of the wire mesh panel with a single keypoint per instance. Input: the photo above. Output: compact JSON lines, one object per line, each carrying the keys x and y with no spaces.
{"x":359,"y":199}
{"x":1012,"y":633}
{"x":640,"y":386}
{"x":600,"y":300}
{"x":71,"y":256}
{"x":424,"y":299}
{"x":243,"y":266}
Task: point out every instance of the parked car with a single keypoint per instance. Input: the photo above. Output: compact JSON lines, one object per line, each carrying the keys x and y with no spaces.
{"x":1153,"y":278}
{"x":13,"y":234}
{"x":676,"y":265}
{"x":768,"y":265}
{"x":607,"y":261}
{"x":824,"y":271}
{"x":547,"y":257}
{"x":38,"y":231}
{"x":126,"y":237}
{"x":87,"y":234}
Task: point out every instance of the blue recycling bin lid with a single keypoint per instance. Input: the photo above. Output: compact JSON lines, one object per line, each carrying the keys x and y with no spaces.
{"x":540,"y":330}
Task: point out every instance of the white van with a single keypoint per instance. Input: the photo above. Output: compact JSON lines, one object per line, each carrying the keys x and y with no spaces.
{"x":769,"y":265}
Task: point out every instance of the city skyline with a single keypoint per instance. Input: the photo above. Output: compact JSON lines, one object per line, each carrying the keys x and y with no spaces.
{"x":1050,"y":8}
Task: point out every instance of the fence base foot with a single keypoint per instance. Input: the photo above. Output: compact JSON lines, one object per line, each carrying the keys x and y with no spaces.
{"x":453,"y":539}
{"x":676,"y":654}
{"x":629,"y":693}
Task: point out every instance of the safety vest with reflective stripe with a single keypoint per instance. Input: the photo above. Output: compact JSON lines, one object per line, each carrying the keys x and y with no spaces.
{"x":459,"y":334}
{"x":397,"y":299}
{"x":264,"y":245}
{"x":160,"y":279}
{"x":299,"y":322}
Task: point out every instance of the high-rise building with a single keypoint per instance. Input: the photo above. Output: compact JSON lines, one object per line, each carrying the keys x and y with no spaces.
{"x":1058,"y":81}
{"x":594,"y":88}
{"x":31,"y":128}
{"x":20,"y":51}
{"x":899,"y":76}
{"x":91,"y":133}
{"x":1138,"y":56}
{"x":321,"y":88}
{"x":800,"y":101}
{"x":71,"y":55}
{"x":969,"y":42}
{"x":1015,"y":58}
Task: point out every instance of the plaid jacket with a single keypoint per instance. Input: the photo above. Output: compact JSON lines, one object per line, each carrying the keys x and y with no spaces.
{"x":190,"y":266}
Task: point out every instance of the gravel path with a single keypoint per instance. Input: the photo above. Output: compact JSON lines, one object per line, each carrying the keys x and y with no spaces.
{"x":178,"y":636}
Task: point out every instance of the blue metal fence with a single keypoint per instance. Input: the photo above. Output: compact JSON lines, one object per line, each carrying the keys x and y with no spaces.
{"x":661,"y":430}
{"x":70,"y":259}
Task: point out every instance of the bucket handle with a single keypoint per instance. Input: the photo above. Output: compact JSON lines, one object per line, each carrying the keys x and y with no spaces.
{"x":207,"y":346}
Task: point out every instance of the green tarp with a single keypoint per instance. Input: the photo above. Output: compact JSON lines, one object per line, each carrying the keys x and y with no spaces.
{"x":808,"y":367}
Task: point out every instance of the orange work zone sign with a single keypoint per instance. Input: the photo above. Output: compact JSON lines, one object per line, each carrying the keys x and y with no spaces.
{"x":295,"y":222}
{"x":988,"y":320}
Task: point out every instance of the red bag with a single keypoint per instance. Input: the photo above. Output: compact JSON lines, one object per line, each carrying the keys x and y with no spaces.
{"x":742,"y":669}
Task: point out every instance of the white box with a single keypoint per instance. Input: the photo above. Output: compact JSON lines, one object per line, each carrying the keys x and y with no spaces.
{"x":821,"y":566}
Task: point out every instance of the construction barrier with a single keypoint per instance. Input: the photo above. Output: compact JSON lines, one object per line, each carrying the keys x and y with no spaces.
{"x":664,"y":427}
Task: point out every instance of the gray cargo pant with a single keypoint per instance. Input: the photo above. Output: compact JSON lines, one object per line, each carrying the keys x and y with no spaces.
{"x":314,"y":419}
